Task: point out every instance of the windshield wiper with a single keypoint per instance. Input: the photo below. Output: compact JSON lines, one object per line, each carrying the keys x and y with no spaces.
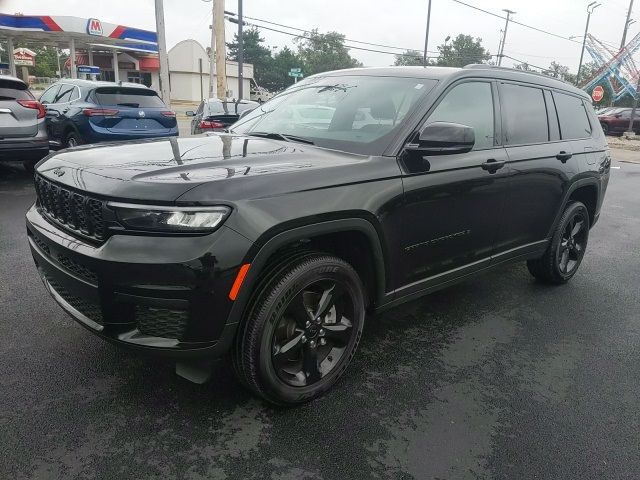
{"x":280,"y":136}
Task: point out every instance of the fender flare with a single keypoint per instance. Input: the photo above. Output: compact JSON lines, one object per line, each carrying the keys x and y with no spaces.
{"x":259,"y":260}
{"x":583,"y":182}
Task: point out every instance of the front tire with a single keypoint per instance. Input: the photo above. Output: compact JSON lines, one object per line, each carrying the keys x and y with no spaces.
{"x":565,"y":252}
{"x":605,"y":128}
{"x":303,"y":329}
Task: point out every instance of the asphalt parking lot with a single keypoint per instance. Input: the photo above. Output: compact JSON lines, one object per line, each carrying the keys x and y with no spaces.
{"x":498,"y":377}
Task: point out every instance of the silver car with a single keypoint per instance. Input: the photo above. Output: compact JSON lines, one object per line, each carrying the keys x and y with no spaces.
{"x":23,"y":135}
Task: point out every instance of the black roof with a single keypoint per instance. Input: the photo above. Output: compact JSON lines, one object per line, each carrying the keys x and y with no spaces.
{"x":474,"y":70}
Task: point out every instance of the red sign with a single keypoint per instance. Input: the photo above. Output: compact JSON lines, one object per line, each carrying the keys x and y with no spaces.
{"x":597,"y":93}
{"x":94,"y":27}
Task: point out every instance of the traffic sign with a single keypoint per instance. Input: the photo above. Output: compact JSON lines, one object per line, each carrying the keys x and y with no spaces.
{"x":295,"y":74}
{"x":296,"y":70}
{"x":597,"y":93}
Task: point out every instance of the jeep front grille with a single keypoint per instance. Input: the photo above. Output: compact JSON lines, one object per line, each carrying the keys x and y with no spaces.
{"x":76,"y":212}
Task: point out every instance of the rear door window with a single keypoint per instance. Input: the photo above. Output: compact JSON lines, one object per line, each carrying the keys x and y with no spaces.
{"x":574,"y":122}
{"x":49,"y":94}
{"x":524,"y":114}
{"x":128,"y":97}
{"x":66,"y":94}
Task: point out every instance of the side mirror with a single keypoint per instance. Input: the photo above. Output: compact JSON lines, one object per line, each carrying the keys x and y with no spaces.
{"x":245,"y":113}
{"x":443,"y":138}
{"x":190,"y":113}
{"x":618,"y":115}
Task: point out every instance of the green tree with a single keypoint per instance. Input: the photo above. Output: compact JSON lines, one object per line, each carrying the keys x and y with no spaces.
{"x":321,"y":52}
{"x":557,"y":70}
{"x":46,"y":60}
{"x":523,"y":66}
{"x":463,"y":50}
{"x":409,"y":57}
{"x":254,"y":52}
{"x":277,"y":77}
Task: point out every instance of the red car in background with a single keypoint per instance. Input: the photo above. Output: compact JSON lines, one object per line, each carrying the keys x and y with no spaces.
{"x":616,"y":121}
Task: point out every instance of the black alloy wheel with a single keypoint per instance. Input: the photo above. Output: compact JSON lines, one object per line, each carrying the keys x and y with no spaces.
{"x":572,"y":244}
{"x":566,"y":250}
{"x":303,"y":326}
{"x":313,"y":332}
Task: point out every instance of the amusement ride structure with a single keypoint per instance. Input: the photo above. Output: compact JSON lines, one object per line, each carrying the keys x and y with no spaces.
{"x":617,"y":71}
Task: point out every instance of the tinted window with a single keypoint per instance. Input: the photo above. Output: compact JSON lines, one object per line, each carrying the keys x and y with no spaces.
{"x":228,"y":108}
{"x":574,"y":122}
{"x":49,"y":95}
{"x":128,"y":97}
{"x":355,"y":113}
{"x":469,"y":104}
{"x":12,"y":90}
{"x":65,"y":94}
{"x":524,"y":114}
{"x":625,"y":114}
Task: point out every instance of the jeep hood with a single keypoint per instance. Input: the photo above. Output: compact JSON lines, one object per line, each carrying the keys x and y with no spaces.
{"x":226,"y":166}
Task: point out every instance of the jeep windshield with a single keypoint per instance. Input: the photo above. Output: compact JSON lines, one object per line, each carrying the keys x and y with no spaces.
{"x":354,"y":113}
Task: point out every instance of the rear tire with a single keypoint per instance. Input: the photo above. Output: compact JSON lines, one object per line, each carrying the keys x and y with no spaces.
{"x":565,"y":252}
{"x":72,"y":140}
{"x":302,"y":330}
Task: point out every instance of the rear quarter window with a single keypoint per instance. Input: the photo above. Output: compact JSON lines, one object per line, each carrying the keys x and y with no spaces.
{"x":128,"y":97}
{"x":574,"y":122}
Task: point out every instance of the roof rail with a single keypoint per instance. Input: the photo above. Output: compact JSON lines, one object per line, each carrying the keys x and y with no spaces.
{"x":481,"y":66}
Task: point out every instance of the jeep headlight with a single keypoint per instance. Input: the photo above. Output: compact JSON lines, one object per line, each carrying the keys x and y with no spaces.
{"x":170,"y":219}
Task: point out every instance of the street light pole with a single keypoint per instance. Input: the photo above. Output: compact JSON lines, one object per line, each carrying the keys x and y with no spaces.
{"x":504,"y":37}
{"x":426,"y":35}
{"x":633,"y":110}
{"x":590,"y":8}
{"x":165,"y":91}
{"x":626,"y":25}
{"x":240,"y":52}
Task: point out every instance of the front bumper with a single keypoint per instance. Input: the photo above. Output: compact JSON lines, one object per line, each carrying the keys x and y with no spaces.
{"x":161,"y":295}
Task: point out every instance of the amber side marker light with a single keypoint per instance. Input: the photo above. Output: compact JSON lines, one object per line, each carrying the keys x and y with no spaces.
{"x":233,"y":293}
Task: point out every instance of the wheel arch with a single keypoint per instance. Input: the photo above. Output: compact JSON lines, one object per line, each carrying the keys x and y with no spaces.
{"x":585,"y":190}
{"x":314,"y":234}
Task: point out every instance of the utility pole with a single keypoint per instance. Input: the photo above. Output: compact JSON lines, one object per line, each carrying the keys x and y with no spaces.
{"x":626,"y":25}
{"x":240,"y":52}
{"x":165,"y":90}
{"x":221,"y":57}
{"x":426,"y":35}
{"x":590,"y":8}
{"x":212,"y":54}
{"x":504,"y":37}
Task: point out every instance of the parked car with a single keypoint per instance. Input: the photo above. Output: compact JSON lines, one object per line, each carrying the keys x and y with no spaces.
{"x":214,"y":115}
{"x":23,"y":135}
{"x":616,"y":121}
{"x":270,"y":243}
{"x":85,"y":111}
{"x":259,"y":94}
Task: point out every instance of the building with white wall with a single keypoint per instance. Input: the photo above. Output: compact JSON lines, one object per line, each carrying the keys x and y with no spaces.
{"x":189,"y":73}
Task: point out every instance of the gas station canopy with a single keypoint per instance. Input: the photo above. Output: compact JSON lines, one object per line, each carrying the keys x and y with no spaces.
{"x":67,"y":32}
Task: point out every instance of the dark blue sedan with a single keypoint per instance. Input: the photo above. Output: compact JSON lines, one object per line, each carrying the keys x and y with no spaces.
{"x":84,"y":111}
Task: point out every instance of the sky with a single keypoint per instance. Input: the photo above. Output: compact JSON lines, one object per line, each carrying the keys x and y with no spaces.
{"x":399,"y":23}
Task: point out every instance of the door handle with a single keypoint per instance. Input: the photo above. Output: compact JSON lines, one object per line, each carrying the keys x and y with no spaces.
{"x":492,"y":165}
{"x":564,"y":156}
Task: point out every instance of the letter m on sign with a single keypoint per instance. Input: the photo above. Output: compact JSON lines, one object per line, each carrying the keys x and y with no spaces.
{"x":94,"y":26}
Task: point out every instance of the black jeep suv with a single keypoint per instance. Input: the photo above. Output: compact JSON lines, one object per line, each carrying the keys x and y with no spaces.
{"x":348,"y":193}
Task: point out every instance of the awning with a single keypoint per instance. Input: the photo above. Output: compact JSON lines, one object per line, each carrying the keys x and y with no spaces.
{"x":149,"y":64}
